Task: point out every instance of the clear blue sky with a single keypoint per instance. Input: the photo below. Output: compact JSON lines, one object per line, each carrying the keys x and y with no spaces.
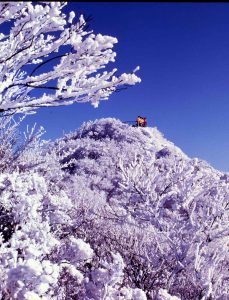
{"x":183,"y":52}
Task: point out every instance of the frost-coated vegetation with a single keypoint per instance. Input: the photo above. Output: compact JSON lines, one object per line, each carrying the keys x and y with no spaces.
{"x":111,"y":212}
{"x":42,"y":49}
{"x":108,"y":212}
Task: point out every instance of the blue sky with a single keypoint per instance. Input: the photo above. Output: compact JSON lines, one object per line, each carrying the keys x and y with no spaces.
{"x":183,"y":52}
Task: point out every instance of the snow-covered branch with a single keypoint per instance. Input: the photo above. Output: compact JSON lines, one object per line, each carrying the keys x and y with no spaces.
{"x":50,"y":51}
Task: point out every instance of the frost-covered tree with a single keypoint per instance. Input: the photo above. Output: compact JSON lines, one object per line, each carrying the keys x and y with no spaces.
{"x":43,"y":49}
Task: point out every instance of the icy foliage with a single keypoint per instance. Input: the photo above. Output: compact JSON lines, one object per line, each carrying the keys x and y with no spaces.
{"x":41,"y":48}
{"x":112,"y":212}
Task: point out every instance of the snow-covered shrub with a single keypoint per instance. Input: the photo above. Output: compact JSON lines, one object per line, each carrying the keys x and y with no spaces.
{"x":106,"y":282}
{"x":26,"y":265}
{"x":164,"y":295}
{"x":21,"y":152}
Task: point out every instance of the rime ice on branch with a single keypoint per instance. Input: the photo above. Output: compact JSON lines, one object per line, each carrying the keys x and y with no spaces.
{"x":40,"y":36}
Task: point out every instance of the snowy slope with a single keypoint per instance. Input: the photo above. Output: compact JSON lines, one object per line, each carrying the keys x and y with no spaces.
{"x":119,"y":213}
{"x":150,"y":188}
{"x":158,"y":141}
{"x":109,"y":139}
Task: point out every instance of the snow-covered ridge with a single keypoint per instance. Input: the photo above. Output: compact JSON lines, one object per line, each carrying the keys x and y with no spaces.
{"x":145,"y":141}
{"x":159,"y":141}
{"x":114,"y":129}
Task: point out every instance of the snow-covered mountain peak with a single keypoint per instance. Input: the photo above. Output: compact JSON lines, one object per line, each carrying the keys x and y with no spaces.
{"x":112,"y":129}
